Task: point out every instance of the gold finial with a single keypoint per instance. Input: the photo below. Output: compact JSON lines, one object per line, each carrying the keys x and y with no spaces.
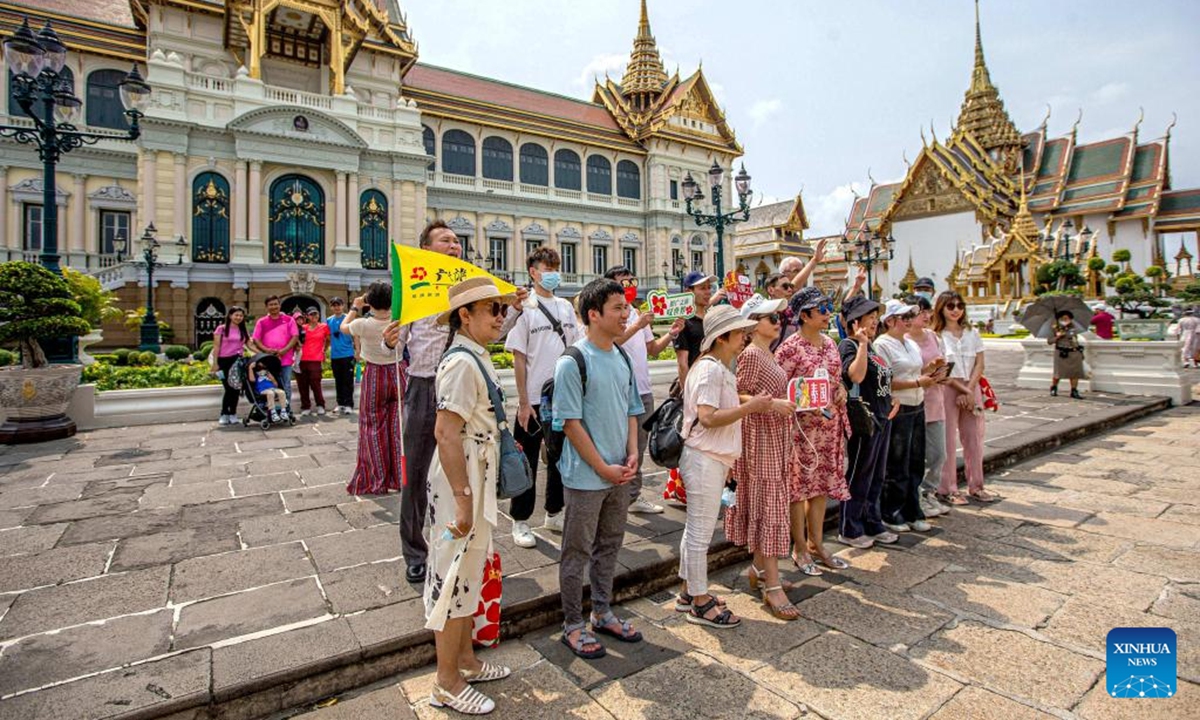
{"x":644,"y":75}
{"x":924,"y":142}
{"x":1075,"y":127}
{"x":1174,"y":119}
{"x":983,"y":114}
{"x":1046,"y":120}
{"x":870,"y":178}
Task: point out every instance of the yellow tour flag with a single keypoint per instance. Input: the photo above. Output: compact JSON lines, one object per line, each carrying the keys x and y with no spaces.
{"x":421,"y":281}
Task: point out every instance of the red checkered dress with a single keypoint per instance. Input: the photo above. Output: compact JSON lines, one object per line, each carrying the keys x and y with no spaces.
{"x":759,"y":520}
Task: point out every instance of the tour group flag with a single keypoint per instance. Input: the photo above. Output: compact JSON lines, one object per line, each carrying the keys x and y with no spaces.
{"x":421,"y":281}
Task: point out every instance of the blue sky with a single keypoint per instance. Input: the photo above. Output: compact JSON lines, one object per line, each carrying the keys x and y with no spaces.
{"x":819,"y":93}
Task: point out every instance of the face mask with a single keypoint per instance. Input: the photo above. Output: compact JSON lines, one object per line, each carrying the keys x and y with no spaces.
{"x":927,"y":295}
{"x":1064,"y":322}
{"x":631,"y":295}
{"x":550,"y":281}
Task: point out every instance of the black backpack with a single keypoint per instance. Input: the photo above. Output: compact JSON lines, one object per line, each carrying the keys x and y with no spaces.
{"x":552,"y":438}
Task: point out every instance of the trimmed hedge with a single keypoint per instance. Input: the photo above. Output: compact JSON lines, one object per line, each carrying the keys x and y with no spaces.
{"x":122,"y":355}
{"x":176,"y":374}
{"x":202,"y":352}
{"x":7,"y":357}
{"x":177,"y":352}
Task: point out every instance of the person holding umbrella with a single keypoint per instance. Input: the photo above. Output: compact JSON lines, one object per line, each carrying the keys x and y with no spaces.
{"x":1068,"y":354}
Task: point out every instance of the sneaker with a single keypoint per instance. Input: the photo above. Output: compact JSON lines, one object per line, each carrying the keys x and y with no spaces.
{"x":522,"y":535}
{"x":645,"y":506}
{"x":303,"y":413}
{"x":224,"y":420}
{"x":862,"y":542}
{"x":920,"y":526}
{"x":897,"y":527}
{"x":554,"y":523}
{"x":275,"y":416}
{"x":320,"y":411}
{"x":930,"y":507}
{"x":886,"y":538}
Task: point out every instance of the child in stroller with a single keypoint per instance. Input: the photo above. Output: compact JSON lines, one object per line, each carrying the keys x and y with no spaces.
{"x":262,"y":388}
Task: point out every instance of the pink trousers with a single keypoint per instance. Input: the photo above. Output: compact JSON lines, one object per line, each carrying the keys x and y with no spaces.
{"x":968,"y":427}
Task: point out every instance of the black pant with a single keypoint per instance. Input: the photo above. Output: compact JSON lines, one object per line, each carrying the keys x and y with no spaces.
{"x":229,"y":401}
{"x":531,"y":442}
{"x":420,"y":416}
{"x":860,"y":514}
{"x":905,"y":467}
{"x":343,"y":380}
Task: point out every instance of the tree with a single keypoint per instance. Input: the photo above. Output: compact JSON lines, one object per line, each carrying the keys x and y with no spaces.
{"x":1059,"y":275}
{"x":97,"y":305}
{"x":1096,"y":264}
{"x":1156,"y":274}
{"x":36,"y":303}
{"x":1191,"y":292}
{"x":1123,"y":256}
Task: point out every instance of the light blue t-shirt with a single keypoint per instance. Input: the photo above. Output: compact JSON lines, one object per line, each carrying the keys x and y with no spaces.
{"x":605,"y":411}
{"x":340,"y":345}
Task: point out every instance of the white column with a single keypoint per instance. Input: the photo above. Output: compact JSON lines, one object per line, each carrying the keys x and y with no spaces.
{"x":240,"y":199}
{"x":78,"y":229}
{"x":352,"y":210}
{"x":394,"y":205}
{"x":339,"y":221}
{"x":254,"y":195}
{"x":182,"y":201}
{"x":150,"y":189}
{"x":10,"y":239}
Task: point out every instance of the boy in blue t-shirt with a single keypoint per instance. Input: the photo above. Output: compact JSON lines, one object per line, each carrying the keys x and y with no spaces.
{"x":341,"y":356}
{"x":599,"y":458}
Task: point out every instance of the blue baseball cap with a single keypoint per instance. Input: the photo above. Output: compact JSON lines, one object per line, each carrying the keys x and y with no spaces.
{"x":695,"y":278}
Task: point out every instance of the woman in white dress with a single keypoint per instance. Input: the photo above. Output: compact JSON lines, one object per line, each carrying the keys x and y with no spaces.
{"x":462,"y":493}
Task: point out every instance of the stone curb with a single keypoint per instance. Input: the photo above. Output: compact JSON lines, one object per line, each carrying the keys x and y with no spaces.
{"x":314,"y":681}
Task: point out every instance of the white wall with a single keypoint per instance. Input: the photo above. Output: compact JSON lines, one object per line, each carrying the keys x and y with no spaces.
{"x":933,"y":242}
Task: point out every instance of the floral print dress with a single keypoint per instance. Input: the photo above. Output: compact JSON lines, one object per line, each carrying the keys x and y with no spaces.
{"x":817,"y":463}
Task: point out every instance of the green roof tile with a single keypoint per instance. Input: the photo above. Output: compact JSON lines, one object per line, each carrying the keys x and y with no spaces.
{"x":1052,"y":158}
{"x":1144,"y":162}
{"x":1096,"y":160}
{"x":1179,"y":202}
{"x":1092,"y":191}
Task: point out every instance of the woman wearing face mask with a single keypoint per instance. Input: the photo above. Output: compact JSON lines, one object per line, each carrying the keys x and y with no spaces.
{"x":1068,"y":354}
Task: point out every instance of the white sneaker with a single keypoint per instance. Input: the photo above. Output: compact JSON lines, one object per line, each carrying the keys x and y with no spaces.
{"x":554,"y":523}
{"x":644,"y":506}
{"x":304,"y":412}
{"x":275,"y":417}
{"x":886,"y":538}
{"x":224,"y":420}
{"x":320,"y":411}
{"x":897,"y":527}
{"x":930,"y":507}
{"x":920,"y":526}
{"x":337,"y":410}
{"x":522,"y":535}
{"x":862,"y":542}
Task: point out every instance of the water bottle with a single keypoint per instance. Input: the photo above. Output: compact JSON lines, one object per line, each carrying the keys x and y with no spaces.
{"x":221,"y":375}
{"x":729,"y":497}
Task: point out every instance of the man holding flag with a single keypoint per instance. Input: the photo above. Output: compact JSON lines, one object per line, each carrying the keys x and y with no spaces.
{"x":420,"y":284}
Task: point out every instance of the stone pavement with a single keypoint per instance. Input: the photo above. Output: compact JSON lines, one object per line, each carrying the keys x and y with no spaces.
{"x":999,"y":613}
{"x":150,"y":570}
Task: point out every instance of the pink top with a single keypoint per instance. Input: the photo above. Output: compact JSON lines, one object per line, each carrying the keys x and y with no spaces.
{"x":231,"y":346}
{"x":314,"y":343}
{"x":275,"y":334}
{"x":935,"y":410}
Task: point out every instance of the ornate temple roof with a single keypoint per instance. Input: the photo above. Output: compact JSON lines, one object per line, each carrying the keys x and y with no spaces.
{"x":644,"y":73}
{"x":982,"y":113}
{"x":103,"y":27}
{"x":775,"y":227}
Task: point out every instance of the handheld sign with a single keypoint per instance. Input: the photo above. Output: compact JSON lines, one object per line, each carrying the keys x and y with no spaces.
{"x":675,"y":305}
{"x":737,"y":288}
{"x":810,"y":393}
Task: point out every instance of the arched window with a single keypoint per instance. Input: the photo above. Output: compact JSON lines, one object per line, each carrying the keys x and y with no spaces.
{"x":297,"y":221}
{"x":103,"y":101}
{"x":629,"y":180}
{"x":430,"y":146}
{"x":535,"y":165}
{"x":599,"y":173}
{"x":372,"y":230}
{"x":458,"y":153}
{"x":497,"y":159}
{"x":566,"y":170}
{"x":15,"y":109}
{"x":210,"y":218}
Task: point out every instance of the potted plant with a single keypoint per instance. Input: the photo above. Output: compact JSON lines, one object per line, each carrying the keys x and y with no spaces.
{"x":96,"y":305}
{"x":36,"y":304}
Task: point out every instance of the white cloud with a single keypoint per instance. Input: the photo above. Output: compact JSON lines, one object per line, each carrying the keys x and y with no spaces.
{"x":762,"y":110}
{"x":827,"y":213}
{"x":1110,"y":92}
{"x":610,"y":63}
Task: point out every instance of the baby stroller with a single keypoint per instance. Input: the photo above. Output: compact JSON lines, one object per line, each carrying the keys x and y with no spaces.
{"x":259,"y":412}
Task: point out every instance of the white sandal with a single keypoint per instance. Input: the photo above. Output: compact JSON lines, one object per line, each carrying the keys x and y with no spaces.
{"x":468,"y":702}
{"x":487,"y":673}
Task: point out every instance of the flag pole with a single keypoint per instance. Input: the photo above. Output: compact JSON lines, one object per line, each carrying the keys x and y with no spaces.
{"x":397,"y":306}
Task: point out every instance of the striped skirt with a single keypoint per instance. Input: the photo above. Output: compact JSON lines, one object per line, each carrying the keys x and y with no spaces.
{"x":378,"y":467}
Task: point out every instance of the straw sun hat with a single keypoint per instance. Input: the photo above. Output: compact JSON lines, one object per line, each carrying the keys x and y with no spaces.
{"x":720,"y":320}
{"x":469,"y":291}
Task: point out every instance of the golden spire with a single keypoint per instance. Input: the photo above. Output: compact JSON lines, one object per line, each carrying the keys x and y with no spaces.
{"x":644,"y":75}
{"x":983,"y":114}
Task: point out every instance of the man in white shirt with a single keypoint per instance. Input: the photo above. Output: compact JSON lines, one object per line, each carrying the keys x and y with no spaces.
{"x":640,"y":344}
{"x":536,"y":341}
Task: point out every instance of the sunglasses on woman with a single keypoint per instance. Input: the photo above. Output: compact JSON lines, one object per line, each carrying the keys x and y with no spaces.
{"x":499,"y":309}
{"x":629,"y":282}
{"x":825,"y":308}
{"x":955,"y":305}
{"x":773,"y":318}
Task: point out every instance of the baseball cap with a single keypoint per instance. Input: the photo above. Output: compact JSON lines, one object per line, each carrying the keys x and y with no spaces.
{"x":759,"y":305}
{"x":695,"y":278}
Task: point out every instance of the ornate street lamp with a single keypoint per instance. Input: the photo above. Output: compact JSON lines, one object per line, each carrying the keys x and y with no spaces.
{"x":150,"y":247}
{"x":868,"y":249}
{"x":36,"y":64}
{"x":718,"y":220}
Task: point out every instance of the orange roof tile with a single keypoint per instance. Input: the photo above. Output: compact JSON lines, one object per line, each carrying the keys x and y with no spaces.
{"x":111,"y":12}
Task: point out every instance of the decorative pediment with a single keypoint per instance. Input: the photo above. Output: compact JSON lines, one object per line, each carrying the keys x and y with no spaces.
{"x":927,"y":191}
{"x":113,"y":196}
{"x":297,"y":124}
{"x":570,"y":233}
{"x":535,"y":230}
{"x":31,"y":191}
{"x":498,"y":227}
{"x":461,"y":226}
{"x":601,"y":236}
{"x":630,"y":238}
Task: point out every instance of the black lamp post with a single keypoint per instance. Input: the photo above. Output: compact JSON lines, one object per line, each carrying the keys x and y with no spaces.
{"x":868,"y":249}
{"x":150,"y":247}
{"x":36,"y":64}
{"x":718,"y":220}
{"x":1063,"y":251}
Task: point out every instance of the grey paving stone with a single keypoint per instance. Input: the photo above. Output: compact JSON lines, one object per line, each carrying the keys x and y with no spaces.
{"x":1100,"y":582}
{"x":13,"y":518}
{"x":248,"y":612}
{"x":988,"y":556}
{"x":39,"y":660}
{"x":256,"y":447}
{"x":887,"y":566}
{"x":53,"y":566}
{"x":1175,"y":563}
{"x":371,"y":511}
{"x":367,"y":586}
{"x":161,"y":496}
{"x":131,"y":456}
{"x":38,"y":497}
{"x":293,"y":526}
{"x":182,"y":679}
{"x":193,"y":473}
{"x":1144,"y":530}
{"x":354,"y":548}
{"x":384,"y":628}
{"x":234,"y":510}
{"x":621,"y":660}
{"x":143,"y":522}
{"x":309,"y":498}
{"x":103,"y":488}
{"x":170,"y":547}
{"x":991,"y":597}
{"x":35,"y":538}
{"x":276,"y":655}
{"x":1055,"y":543}
{"x":120,"y":502}
{"x":880,"y":616}
{"x":388,"y":702}
{"x":84,"y":601}
{"x":272,"y":483}
{"x":214,"y":575}
{"x":278,"y":464}
{"x":328,"y":475}
{"x":974,"y":703}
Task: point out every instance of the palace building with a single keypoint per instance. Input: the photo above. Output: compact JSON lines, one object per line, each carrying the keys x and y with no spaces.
{"x":288,"y":142}
{"x":773,"y":232}
{"x":980,"y":210}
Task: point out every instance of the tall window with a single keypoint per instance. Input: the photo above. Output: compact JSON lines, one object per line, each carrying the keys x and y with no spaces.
{"x":38,"y":108}
{"x":629,"y":259}
{"x":599,"y":259}
{"x":568,"y":258}
{"x":498,"y":256}
{"x":535,"y":165}
{"x":210,"y":218}
{"x":698,"y":260}
{"x":373,"y":229}
{"x":297,"y":216}
{"x":458,"y":153}
{"x":464,"y":242}
{"x":599,"y":175}
{"x":113,"y":224}
{"x":497,"y":159}
{"x":103,"y":103}
{"x":531,"y":246}
{"x":629,"y":180}
{"x":31,"y":227}
{"x":430,"y":146}
{"x":566,"y":170}
{"x":674,"y":189}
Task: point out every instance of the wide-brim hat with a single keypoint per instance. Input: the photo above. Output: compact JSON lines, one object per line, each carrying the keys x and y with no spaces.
{"x":808,"y":298}
{"x":469,"y":291}
{"x":758,"y":305}
{"x":720,"y":320}
{"x":855,"y":307}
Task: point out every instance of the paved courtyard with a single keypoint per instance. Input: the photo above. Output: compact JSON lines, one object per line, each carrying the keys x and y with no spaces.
{"x":1000,"y":613}
{"x":221,"y":561}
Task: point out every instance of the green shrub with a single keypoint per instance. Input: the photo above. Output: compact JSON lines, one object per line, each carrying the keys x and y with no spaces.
{"x":668,"y":353}
{"x":205,"y":348}
{"x":122,"y":355}
{"x":96,"y":304}
{"x":143,"y":359}
{"x":7,"y":357}
{"x":106,"y":358}
{"x":177,"y":352}
{"x":502,"y":360}
{"x":494,"y":348}
{"x":36,"y":303}
{"x":110,"y":377}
